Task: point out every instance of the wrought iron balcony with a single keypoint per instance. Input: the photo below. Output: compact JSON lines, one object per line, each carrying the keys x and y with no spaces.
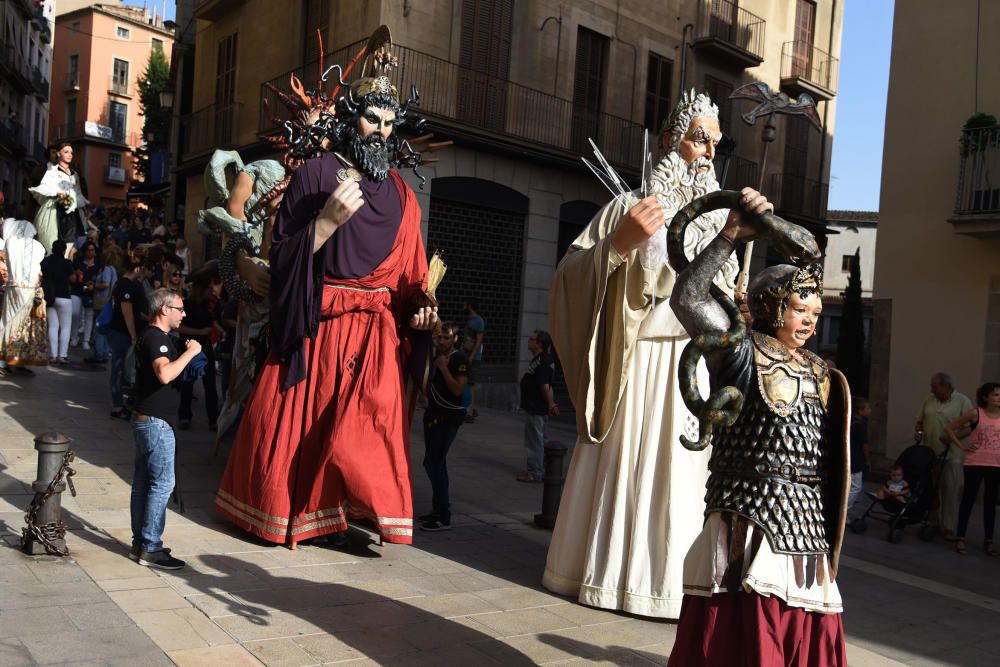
{"x":18,"y":73}
{"x":479,"y":107}
{"x":13,"y":137}
{"x":40,"y":83}
{"x":92,"y":130}
{"x":799,"y":197}
{"x":731,"y":35}
{"x":118,"y":86}
{"x":209,"y":128}
{"x":977,"y":197}
{"x":806,"y":69}
{"x":736,"y":172}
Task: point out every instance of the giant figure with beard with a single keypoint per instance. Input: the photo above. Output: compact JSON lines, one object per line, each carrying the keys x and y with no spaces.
{"x":632,"y":503}
{"x":325,"y":435}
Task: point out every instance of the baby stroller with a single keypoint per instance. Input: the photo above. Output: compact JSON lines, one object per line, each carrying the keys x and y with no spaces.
{"x":918,"y":464}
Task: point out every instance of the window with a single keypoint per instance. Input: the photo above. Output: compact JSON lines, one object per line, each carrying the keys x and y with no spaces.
{"x":119,"y":77}
{"x":70,"y":116}
{"x":805,"y":18}
{"x":115,"y":172}
{"x":658,"y":79}
{"x":845,"y":263}
{"x":225,"y":89}
{"x":588,"y":86}
{"x":484,"y":59}
{"x":157,"y":44}
{"x":123,"y":33}
{"x":720,"y":91}
{"x":317,"y":18}
{"x":73,"y":73}
{"x":115,"y":160}
{"x":117,"y":117}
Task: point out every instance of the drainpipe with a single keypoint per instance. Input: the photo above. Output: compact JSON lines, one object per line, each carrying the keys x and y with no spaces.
{"x":635,"y":54}
{"x":684,"y":53}
{"x":555,"y":82}
{"x":826,"y":105}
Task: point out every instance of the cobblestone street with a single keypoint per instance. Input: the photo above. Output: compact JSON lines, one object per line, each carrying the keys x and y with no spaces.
{"x":470,"y":596}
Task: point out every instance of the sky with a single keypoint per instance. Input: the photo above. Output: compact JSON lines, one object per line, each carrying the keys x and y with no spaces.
{"x":856,"y":171}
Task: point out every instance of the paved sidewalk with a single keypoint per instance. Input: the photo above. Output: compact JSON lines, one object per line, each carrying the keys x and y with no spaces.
{"x":470,"y":596}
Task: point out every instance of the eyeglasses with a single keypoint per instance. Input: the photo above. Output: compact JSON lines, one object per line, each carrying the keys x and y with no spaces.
{"x":180,"y":308}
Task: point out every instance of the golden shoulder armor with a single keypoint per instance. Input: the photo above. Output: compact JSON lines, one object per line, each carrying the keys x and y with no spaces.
{"x":784,"y":380}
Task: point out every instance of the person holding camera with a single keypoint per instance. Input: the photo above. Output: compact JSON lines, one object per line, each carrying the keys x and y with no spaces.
{"x":157,"y":365}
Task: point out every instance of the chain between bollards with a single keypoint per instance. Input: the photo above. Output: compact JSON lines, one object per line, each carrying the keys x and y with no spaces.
{"x":45,"y":530}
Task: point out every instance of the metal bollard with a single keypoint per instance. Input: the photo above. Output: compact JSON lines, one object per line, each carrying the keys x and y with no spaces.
{"x":555,"y":452}
{"x":45,"y":532}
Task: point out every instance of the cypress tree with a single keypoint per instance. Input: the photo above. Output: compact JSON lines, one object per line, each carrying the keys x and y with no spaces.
{"x":851,"y":343}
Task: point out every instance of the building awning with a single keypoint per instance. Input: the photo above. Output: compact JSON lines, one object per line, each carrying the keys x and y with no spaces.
{"x":147,"y":191}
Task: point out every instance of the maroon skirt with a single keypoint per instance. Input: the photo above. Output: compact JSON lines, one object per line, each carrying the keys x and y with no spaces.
{"x":749,"y":630}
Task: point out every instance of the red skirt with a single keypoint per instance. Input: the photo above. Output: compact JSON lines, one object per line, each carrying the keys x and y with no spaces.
{"x":334,"y":446}
{"x":749,"y":630}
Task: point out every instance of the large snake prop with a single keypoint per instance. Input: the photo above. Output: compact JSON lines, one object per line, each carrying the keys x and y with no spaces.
{"x":724,"y":404}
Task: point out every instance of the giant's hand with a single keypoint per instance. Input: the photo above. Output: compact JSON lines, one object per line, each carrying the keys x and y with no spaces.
{"x":424,"y":319}
{"x":641,"y":222}
{"x":341,"y":205}
{"x":740,"y":225}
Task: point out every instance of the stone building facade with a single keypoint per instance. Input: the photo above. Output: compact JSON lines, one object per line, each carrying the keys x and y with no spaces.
{"x":25,"y":72}
{"x":519,"y":87}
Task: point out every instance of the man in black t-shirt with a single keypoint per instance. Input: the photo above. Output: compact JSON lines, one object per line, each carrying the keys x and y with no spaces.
{"x":128,"y":317}
{"x":157,"y":365}
{"x":538,"y":403}
{"x":445,"y":413}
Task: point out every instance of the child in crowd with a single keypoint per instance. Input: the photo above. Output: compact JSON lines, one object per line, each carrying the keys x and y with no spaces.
{"x":895,"y":487}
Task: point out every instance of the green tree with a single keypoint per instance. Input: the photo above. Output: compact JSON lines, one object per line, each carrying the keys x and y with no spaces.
{"x":851,"y":343}
{"x":156,"y":119}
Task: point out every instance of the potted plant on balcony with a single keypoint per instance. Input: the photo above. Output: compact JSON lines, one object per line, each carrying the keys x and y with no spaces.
{"x":977,"y":138}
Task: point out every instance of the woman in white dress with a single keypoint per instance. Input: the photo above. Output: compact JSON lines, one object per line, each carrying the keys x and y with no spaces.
{"x":62,"y":203}
{"x":22,"y":336}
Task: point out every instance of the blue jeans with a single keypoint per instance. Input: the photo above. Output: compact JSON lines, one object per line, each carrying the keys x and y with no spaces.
{"x":437,"y":442}
{"x":534,"y":443}
{"x":152,"y":482}
{"x":102,"y":349}
{"x":120,"y":344}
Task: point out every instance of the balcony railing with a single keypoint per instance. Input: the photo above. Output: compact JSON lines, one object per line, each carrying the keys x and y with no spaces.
{"x":805,"y":68}
{"x":13,"y":137}
{"x":797,"y":195}
{"x":17,"y":68}
{"x":72,"y":81}
{"x":94,"y":130}
{"x":117,"y":86}
{"x":739,"y":173}
{"x":733,"y":32}
{"x":478,"y":104}
{"x":208,"y":129}
{"x":979,"y":172}
{"x":40,"y":83}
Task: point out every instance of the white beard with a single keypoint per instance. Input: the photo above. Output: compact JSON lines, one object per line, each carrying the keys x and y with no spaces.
{"x":676,"y":184}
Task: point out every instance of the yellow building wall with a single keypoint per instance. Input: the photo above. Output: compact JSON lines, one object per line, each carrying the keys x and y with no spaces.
{"x":938,"y":281}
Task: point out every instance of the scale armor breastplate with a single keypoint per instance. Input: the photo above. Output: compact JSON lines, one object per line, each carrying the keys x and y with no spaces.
{"x":767,"y":466}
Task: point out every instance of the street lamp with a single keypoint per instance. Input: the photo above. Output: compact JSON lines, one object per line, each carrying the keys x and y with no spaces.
{"x":167,"y":98}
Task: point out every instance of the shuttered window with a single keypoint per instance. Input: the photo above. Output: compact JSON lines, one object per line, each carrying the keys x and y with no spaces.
{"x":484,"y":62}
{"x":720,"y":91}
{"x":588,"y":86}
{"x":805,"y":19}
{"x":316,"y":17}
{"x":225,"y":89}
{"x":659,"y":75}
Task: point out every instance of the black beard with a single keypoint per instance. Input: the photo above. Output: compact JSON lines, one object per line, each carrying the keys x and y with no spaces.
{"x":371,"y":156}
